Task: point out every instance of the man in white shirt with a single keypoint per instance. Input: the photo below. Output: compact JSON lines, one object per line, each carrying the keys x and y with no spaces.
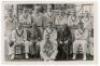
{"x":48,"y":46}
{"x":71,"y":19}
{"x":87,"y":19}
{"x":25,"y":18}
{"x":80,"y":42}
{"x":19,"y":37}
{"x":49,"y":16}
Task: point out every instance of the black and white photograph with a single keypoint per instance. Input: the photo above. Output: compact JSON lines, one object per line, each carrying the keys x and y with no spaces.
{"x":49,"y":32}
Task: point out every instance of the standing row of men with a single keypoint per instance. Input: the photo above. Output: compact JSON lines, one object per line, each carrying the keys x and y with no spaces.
{"x":51,"y":34}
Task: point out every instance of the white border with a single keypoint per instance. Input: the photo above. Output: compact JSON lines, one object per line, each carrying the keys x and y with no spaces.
{"x":57,"y":62}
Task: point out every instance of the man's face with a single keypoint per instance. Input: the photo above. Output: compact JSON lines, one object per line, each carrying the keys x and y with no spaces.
{"x":19,"y":27}
{"x":30,"y":11}
{"x":49,"y":7}
{"x":49,"y":25}
{"x":25,"y":10}
{"x":34,"y":25}
{"x":73,"y":16}
{"x":37,"y":7}
{"x":10,"y":13}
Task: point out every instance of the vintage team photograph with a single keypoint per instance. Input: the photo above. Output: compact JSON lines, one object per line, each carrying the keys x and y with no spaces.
{"x":49,"y":32}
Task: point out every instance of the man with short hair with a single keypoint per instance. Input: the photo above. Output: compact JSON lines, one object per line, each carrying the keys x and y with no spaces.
{"x":49,"y":16}
{"x":71,"y":18}
{"x":80,"y":42}
{"x":48,"y":46}
{"x":19,"y":37}
{"x":37,"y":17}
{"x":34,"y":37}
{"x":25,"y":18}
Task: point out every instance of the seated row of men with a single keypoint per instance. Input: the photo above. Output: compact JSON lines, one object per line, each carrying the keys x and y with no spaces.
{"x":19,"y":37}
{"x":52,"y":42}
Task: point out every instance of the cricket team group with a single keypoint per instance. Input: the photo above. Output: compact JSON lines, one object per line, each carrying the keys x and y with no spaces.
{"x":50,"y":33}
